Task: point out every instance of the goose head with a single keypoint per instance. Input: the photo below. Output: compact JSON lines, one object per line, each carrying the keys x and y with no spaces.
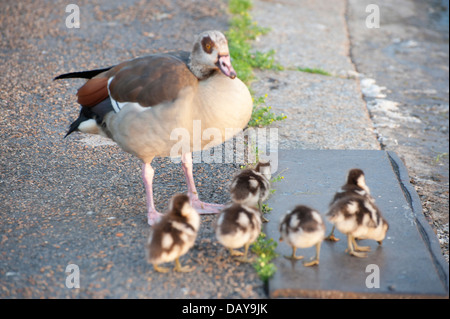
{"x":209,"y":54}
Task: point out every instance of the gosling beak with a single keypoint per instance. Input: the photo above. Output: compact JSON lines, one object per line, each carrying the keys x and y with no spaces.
{"x":224,"y":64}
{"x":380,"y":242}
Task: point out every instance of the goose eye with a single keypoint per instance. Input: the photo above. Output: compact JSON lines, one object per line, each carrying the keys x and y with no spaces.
{"x":207,"y":45}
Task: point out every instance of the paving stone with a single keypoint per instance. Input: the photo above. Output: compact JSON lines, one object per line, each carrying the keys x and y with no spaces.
{"x":409,"y":261}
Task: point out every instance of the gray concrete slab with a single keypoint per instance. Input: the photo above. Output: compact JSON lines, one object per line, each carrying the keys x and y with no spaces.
{"x":408,"y":99}
{"x":409,"y":262}
{"x":323,"y":112}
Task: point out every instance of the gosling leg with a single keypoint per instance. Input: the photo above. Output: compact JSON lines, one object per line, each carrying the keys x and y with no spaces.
{"x":244,"y":258}
{"x":359,"y":248}
{"x":179,"y":268}
{"x":331,"y":236}
{"x":315,"y":261}
{"x":293,"y":256}
{"x":351,"y":250}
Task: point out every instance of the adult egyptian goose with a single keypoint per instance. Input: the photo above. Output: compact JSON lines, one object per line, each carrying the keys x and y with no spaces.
{"x":173,"y":235}
{"x":356,"y":215}
{"x":238,"y":226}
{"x":355,"y":185}
{"x":151,"y":106}
{"x":303,"y":227}
{"x":251,"y":186}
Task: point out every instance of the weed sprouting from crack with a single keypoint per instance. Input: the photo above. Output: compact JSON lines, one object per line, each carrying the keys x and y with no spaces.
{"x":243,"y":30}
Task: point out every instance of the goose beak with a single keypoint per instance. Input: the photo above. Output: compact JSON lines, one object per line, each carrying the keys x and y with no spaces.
{"x":224,"y":64}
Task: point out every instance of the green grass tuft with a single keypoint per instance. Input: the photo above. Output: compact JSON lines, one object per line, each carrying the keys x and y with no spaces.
{"x":240,"y":6}
{"x":243,"y":30}
{"x":314,"y":71}
{"x":440,"y":156}
{"x":265,"y":250}
{"x":262,"y":115}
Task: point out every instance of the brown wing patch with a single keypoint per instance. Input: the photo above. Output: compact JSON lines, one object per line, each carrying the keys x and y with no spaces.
{"x":150,"y":80}
{"x":93,"y":92}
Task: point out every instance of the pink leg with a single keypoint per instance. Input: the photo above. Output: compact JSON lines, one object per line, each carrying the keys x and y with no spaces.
{"x":147,"y":175}
{"x":201,"y":207}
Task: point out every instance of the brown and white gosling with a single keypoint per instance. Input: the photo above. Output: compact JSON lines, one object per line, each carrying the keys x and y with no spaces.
{"x":355,"y":214}
{"x":252,"y":186}
{"x":355,"y":185}
{"x":238,"y":226}
{"x":303,"y":227}
{"x":174,"y":235}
